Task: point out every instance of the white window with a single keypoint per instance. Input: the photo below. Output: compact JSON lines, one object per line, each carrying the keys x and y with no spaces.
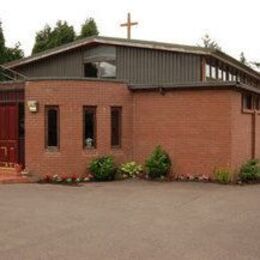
{"x":207,"y":70}
{"x":213,"y":72}
{"x":220,"y":75}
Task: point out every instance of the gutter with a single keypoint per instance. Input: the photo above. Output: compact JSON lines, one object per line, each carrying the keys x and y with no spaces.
{"x":194,"y":86}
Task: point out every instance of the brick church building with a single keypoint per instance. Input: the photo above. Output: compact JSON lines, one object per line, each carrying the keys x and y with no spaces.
{"x":100,"y":96}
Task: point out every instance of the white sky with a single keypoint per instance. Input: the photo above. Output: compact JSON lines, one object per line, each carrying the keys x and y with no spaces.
{"x":233,"y":24}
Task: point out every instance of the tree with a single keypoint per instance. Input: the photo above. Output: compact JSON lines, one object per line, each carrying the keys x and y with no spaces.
{"x":88,"y":28}
{"x":6,"y":53}
{"x":2,"y":45}
{"x":42,"y":39}
{"x":243,"y":58}
{"x":14,"y":53}
{"x":48,"y":38}
{"x":209,"y":43}
{"x":61,"y":34}
{"x":2,"y":38}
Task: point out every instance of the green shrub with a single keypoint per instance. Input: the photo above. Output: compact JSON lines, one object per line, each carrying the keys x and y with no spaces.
{"x":131,"y":169}
{"x":103,"y":168}
{"x":223,"y":175}
{"x":158,"y":164}
{"x":250,"y":171}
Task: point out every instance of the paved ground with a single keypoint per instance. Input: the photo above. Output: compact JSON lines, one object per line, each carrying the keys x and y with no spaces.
{"x":130,"y":220}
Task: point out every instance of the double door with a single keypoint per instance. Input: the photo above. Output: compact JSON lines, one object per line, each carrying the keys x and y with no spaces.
{"x":9,"y":134}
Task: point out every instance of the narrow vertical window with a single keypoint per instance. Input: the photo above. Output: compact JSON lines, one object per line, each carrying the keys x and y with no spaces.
{"x":224,"y":75}
{"x":213,"y":72}
{"x":90,"y":125}
{"x":238,"y":77}
{"x":257,"y":103}
{"x":248,"y":102}
{"x":207,"y":70}
{"x":116,"y":128}
{"x":52,"y":127}
{"x":220,"y":75}
{"x":230,"y":76}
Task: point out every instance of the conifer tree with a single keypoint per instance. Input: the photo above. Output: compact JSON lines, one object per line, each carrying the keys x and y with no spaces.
{"x":88,"y":28}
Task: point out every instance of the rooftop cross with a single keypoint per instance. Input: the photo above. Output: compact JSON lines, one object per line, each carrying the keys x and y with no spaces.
{"x":128,"y":24}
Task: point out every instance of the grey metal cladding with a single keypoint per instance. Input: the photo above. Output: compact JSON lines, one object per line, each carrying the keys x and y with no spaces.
{"x":68,"y":64}
{"x":143,"y":66}
{"x":134,"y":65}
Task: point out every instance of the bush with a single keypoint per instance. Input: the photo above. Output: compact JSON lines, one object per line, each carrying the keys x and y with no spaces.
{"x":103,"y":168}
{"x":159,"y":164}
{"x":250,"y":171}
{"x":223,"y":175}
{"x":131,"y":169}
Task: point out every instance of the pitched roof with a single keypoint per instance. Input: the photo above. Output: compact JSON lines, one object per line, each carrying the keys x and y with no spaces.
{"x":137,"y":44}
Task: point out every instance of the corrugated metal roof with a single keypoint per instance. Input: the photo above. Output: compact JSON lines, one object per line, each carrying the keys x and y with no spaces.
{"x":137,"y":44}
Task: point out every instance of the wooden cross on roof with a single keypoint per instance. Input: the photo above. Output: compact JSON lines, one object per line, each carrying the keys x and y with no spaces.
{"x":129,"y":24}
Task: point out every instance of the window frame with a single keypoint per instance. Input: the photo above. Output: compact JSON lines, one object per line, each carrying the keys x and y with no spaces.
{"x":244,"y":104}
{"x":46,"y":142}
{"x":98,"y":64}
{"x":257,"y":103}
{"x":116,"y":108}
{"x":93,"y":109}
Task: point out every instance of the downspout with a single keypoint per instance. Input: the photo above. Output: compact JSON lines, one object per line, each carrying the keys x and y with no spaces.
{"x":254,"y":115}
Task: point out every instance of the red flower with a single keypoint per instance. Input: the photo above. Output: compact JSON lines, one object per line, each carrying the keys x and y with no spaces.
{"x":73,"y":177}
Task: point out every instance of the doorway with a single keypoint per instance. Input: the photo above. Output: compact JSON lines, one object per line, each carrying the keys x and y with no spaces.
{"x":11,"y":134}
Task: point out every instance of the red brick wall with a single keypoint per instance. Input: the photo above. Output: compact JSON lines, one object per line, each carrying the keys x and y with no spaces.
{"x":200,"y":129}
{"x":242,"y":128}
{"x":193,"y":126}
{"x":71,"y":96}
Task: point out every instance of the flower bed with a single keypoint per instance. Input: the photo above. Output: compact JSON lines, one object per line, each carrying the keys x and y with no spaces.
{"x":65,"y":180}
{"x":157,"y":167}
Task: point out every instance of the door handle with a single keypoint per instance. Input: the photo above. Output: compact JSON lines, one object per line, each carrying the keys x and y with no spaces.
{"x":5,"y":150}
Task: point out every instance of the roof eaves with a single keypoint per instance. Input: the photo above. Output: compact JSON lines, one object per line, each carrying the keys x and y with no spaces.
{"x":197,"y":85}
{"x":54,"y":51}
{"x":110,"y":41}
{"x":234,"y":62}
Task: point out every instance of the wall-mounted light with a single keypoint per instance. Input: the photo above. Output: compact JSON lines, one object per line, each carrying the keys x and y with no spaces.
{"x":33,"y":106}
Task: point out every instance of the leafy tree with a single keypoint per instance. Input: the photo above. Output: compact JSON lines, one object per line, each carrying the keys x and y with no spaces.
{"x":209,"y":43}
{"x":88,"y":28}
{"x":61,"y":34}
{"x":2,"y":45}
{"x":2,"y":38}
{"x":8,"y":54}
{"x":14,"y":53}
{"x":42,"y":39}
{"x":243,"y":58}
{"x":48,"y":38}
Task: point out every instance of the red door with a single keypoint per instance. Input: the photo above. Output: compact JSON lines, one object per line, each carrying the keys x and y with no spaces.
{"x":8,"y":134}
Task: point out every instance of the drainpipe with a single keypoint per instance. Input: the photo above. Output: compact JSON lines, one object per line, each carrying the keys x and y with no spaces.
{"x":254,"y":115}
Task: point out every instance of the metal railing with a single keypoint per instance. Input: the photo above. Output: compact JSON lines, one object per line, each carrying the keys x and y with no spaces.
{"x":7,"y":74}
